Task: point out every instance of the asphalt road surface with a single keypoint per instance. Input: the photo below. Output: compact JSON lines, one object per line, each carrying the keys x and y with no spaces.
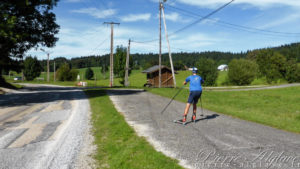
{"x":42,"y":127}
{"x":214,"y":141}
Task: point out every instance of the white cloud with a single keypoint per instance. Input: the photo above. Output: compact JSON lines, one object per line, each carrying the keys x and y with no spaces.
{"x":136,"y":17}
{"x":97,"y":13}
{"x":173,"y":16}
{"x":278,"y":22}
{"x":91,"y":40}
{"x":257,"y":3}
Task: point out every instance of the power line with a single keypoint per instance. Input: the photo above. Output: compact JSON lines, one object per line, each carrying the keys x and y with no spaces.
{"x":199,"y":20}
{"x":155,"y":45}
{"x":99,"y":45}
{"x":191,"y":24}
{"x":244,"y":28}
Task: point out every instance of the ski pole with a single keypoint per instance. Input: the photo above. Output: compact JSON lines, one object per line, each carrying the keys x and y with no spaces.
{"x":201,"y":106}
{"x":172,"y":99}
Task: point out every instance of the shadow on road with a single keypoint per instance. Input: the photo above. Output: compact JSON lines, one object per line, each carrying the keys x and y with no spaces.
{"x":208,"y":117}
{"x":44,"y":94}
{"x":121,"y":92}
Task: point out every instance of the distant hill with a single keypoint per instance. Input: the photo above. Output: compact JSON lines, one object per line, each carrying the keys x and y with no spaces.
{"x":179,"y":59}
{"x":290,"y":51}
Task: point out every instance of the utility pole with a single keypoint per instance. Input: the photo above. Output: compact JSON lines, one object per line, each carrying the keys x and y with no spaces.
{"x":95,"y":79}
{"x":54,"y":72}
{"x":170,"y":54}
{"x":127,"y":64}
{"x":48,"y":63}
{"x":112,"y":52}
{"x":48,"y":68}
{"x":159,"y":55}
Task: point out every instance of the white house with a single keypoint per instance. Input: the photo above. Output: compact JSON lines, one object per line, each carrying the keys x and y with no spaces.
{"x":223,"y":67}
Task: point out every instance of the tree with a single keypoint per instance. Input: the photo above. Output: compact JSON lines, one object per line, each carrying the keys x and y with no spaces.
{"x":242,"y":71}
{"x":89,"y":73}
{"x":24,"y":25}
{"x":119,"y":63}
{"x":271,"y":64}
{"x":32,"y":68}
{"x":73,"y":74}
{"x":178,"y":65}
{"x":292,"y":71}
{"x":207,"y":69}
{"x":64,"y":73}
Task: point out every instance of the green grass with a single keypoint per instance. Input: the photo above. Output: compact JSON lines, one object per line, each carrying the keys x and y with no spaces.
{"x":136,"y":78}
{"x":118,"y":146}
{"x":97,"y":72}
{"x":221,"y":78}
{"x":278,"y":108}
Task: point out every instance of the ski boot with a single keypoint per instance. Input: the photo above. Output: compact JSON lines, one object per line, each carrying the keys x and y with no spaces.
{"x":193,"y":118}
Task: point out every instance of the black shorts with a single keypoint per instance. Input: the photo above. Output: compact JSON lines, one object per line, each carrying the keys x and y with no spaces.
{"x":194,"y":97}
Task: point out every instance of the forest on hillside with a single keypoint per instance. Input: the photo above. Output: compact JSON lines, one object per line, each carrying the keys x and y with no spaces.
{"x":180,"y":60}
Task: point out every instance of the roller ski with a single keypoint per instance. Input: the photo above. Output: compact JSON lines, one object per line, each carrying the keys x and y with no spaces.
{"x":180,"y":122}
{"x":183,"y":121}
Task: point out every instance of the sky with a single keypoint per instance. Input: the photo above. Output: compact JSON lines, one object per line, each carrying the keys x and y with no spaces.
{"x":242,"y":25}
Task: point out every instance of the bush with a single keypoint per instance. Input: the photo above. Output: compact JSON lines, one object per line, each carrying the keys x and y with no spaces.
{"x":64,"y":73}
{"x":89,"y":73}
{"x":271,"y":64}
{"x":292,"y":71}
{"x":73,"y":74}
{"x":207,"y":69}
{"x":32,"y":68}
{"x":242,"y":72}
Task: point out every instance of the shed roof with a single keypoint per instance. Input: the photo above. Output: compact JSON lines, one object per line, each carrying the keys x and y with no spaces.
{"x":155,"y":68}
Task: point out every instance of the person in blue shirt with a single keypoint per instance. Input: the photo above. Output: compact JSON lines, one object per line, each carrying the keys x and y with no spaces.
{"x":195,"y":93}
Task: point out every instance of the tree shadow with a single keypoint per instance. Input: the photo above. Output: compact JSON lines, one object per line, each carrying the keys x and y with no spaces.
{"x":44,"y":94}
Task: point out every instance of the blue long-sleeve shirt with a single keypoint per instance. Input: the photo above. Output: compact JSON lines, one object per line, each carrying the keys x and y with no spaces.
{"x":195,"y":82}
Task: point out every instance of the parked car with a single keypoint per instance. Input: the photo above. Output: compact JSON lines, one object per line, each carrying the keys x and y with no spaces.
{"x":17,"y":78}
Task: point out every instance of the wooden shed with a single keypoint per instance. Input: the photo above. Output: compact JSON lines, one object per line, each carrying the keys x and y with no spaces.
{"x":153,"y":76}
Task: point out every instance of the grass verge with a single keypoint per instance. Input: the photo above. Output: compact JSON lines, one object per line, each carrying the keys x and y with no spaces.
{"x":118,"y":145}
{"x":278,"y":108}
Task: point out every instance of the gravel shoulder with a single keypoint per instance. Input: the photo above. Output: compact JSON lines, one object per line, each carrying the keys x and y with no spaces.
{"x":45,"y":126}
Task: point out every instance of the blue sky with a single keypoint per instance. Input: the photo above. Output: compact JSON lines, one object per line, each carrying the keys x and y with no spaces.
{"x":83,"y":33}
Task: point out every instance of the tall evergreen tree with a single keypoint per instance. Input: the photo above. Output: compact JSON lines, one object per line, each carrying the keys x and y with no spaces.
{"x":32,"y":68}
{"x":119,"y":63}
{"x":89,"y":73}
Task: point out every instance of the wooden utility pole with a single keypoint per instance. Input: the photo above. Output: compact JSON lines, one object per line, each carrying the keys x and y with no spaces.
{"x":54,"y":72}
{"x":48,"y":63}
{"x":95,"y":79}
{"x":127,"y":65}
{"x":48,"y":68}
{"x":159,"y":55}
{"x":112,"y":52}
{"x":170,"y":54}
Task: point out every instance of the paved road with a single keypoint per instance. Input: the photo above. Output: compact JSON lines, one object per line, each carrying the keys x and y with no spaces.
{"x":214,"y":141}
{"x":42,"y":127}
